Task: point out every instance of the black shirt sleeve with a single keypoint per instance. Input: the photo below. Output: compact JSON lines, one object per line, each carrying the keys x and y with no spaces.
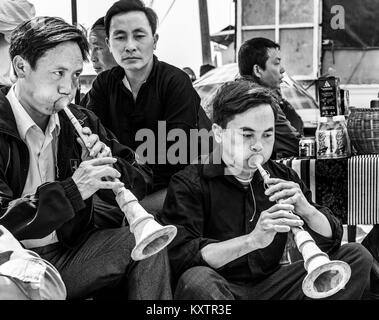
{"x":183,"y":208}
{"x":181,"y":105}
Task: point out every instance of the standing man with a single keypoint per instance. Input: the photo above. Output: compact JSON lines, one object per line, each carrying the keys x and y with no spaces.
{"x":231,"y":230}
{"x":143,"y":91}
{"x":46,"y":171}
{"x":259,"y":61}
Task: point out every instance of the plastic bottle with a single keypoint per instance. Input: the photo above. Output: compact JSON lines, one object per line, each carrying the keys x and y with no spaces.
{"x":332,"y":138}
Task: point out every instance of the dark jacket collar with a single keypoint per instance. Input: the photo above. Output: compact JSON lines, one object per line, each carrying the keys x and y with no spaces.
{"x":119,"y":73}
{"x":7,"y":120}
{"x":213,"y":168}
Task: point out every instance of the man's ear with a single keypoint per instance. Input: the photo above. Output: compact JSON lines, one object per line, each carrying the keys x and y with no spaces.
{"x":21,"y":66}
{"x":257,"y":71}
{"x":156,"y":38}
{"x":217,"y":131}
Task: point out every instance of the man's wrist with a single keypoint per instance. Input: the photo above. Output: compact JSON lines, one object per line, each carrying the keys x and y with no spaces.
{"x":252,"y":242}
{"x":310,"y":214}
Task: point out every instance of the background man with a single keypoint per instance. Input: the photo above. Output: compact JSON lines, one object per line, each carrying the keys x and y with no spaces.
{"x":231,"y":232}
{"x":12,"y":13}
{"x":259,"y":60}
{"x":101,"y":57}
{"x":46,"y":172}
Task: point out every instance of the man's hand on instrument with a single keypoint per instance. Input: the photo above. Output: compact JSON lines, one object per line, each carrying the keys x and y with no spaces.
{"x":91,"y":176}
{"x":94,"y":148}
{"x":278,"y":218}
{"x":289,"y":192}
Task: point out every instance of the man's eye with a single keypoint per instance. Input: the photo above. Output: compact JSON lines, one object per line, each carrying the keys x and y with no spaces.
{"x":247,"y":135}
{"x":267,"y":135}
{"x":77,"y":74}
{"x":139,"y":36}
{"x":119,"y":38}
{"x":58,"y":73}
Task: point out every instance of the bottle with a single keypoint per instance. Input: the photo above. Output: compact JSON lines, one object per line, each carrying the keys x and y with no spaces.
{"x":332,"y":138}
{"x":374,"y":103}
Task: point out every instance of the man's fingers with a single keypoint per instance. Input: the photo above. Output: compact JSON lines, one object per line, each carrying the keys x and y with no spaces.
{"x":110,"y":185}
{"x":283,"y":194}
{"x":96,"y":148}
{"x":274,"y":188}
{"x":108,"y":172}
{"x":101,"y":161}
{"x":86,"y":131}
{"x":280,"y":206}
{"x":283,"y":214}
{"x":282,"y":229}
{"x":277,"y":228}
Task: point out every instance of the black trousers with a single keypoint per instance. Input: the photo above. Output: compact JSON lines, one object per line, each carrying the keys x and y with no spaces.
{"x":205,"y":283}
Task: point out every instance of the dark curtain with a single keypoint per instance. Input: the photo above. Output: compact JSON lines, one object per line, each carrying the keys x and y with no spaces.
{"x":361,"y":24}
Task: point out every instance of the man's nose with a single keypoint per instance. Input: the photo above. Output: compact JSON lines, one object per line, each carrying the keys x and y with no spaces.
{"x":67,"y":86}
{"x":256,"y":146}
{"x":94,"y":57}
{"x":282,"y":70}
{"x":130,"y":45}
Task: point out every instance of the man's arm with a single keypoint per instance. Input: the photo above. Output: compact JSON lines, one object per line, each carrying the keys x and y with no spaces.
{"x":184,"y":208}
{"x":286,"y":137}
{"x":136,"y":176}
{"x":324,"y":227}
{"x":181,"y":104}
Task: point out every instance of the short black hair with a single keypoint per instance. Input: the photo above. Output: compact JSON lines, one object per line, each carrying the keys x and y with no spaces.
{"x":236,"y":97}
{"x":125,"y":6}
{"x":254,"y":52}
{"x":206,"y":68}
{"x":99,"y":23}
{"x":32,"y":38}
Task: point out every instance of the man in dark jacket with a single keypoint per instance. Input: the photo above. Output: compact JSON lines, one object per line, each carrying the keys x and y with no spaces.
{"x":232,"y":231}
{"x":259,"y":61}
{"x":48,"y":176}
{"x":143,"y":95}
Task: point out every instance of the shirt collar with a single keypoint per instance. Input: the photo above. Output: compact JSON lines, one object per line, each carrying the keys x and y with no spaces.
{"x":23,"y":121}
{"x":119,"y":72}
{"x":213,"y":168}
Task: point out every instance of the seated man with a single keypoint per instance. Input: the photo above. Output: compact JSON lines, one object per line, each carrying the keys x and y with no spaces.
{"x":259,"y":61}
{"x":24,"y":275}
{"x":46,"y":172}
{"x":231,"y":232}
{"x":101,"y":57}
{"x":143,"y":93}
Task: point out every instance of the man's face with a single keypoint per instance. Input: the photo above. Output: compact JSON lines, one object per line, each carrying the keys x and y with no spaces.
{"x":101,"y":57}
{"x":131,"y":40}
{"x":249,"y":133}
{"x":52,"y":84}
{"x":273,"y":73}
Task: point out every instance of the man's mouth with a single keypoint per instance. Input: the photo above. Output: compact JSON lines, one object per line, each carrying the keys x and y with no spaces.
{"x":131,"y":58}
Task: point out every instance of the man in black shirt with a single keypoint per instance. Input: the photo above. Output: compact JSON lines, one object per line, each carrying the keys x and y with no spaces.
{"x":231,"y":230}
{"x":143,"y":93}
{"x":259,"y":61}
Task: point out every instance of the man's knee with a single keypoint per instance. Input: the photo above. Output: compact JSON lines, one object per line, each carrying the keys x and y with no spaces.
{"x":356,"y":255}
{"x":201,"y":283}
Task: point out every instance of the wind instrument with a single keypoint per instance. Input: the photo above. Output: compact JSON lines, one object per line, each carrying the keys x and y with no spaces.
{"x":150,"y":236}
{"x":324,"y":277}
